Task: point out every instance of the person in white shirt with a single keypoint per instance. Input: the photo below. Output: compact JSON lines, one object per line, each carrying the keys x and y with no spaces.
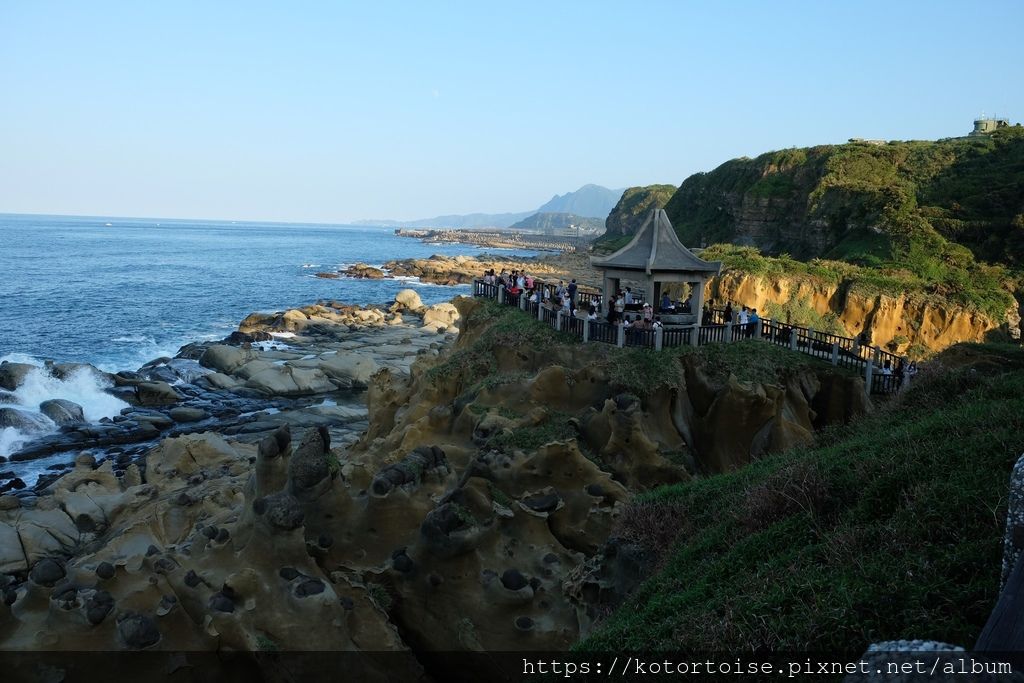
{"x":744,"y":317}
{"x":629,"y":296}
{"x":533,"y":297}
{"x":566,"y":302}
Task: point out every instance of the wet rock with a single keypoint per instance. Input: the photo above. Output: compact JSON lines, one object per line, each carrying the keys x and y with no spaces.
{"x":309,"y":586}
{"x":186,"y":414}
{"x":105,"y":570}
{"x":155,"y":394}
{"x":21,"y":420}
{"x":363,"y":271}
{"x":12,"y":375}
{"x":62,"y":411}
{"x":9,"y":502}
{"x":237,"y":338}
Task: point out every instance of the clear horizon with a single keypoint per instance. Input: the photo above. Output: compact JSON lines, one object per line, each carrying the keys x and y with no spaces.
{"x":339,"y":113}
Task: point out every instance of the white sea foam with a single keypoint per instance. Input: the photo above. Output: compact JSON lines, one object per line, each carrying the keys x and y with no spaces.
{"x":82,"y":386}
{"x":133,"y":339}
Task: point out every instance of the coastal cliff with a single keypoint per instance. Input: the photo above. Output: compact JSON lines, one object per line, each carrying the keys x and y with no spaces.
{"x":922,"y":241}
{"x":901,"y":322}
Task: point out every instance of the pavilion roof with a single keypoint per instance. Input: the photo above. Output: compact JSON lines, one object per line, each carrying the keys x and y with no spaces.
{"x":656,"y":247}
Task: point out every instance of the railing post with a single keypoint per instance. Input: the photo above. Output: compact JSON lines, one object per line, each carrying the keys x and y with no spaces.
{"x":558,"y":320}
{"x":586,"y":331}
{"x":695,"y":335}
{"x":835,"y":353}
{"x":905,"y":382}
{"x":501,"y":295}
{"x":728,"y":331}
{"x":621,"y":340}
{"x":659,"y":338}
{"x":793,"y":334}
{"x":540,"y":310}
{"x":869,"y":371}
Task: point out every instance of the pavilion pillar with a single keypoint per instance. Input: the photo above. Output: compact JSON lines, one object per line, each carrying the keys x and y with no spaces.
{"x":697,"y":299}
{"x":656,"y":298}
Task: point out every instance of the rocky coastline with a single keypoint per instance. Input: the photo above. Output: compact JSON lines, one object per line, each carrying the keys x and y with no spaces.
{"x":457,"y":508}
{"x":301,"y":367}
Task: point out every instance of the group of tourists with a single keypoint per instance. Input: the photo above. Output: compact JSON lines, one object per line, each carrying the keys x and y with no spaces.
{"x":746,"y":318}
{"x":520,"y":282}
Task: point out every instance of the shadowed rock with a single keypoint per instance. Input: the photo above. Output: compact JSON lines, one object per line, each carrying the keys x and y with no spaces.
{"x":409,"y":470}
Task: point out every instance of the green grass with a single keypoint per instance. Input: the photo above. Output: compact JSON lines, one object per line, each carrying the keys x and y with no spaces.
{"x":555,"y":427}
{"x":474,"y":365}
{"x":889,"y":528}
{"x":939,"y":219}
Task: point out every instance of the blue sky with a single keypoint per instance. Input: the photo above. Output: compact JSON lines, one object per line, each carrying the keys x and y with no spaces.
{"x":332,"y":111}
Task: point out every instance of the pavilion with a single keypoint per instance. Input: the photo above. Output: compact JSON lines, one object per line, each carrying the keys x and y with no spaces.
{"x":654,"y":257}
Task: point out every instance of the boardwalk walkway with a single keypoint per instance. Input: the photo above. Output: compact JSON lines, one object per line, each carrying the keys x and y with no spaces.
{"x":840,"y":351}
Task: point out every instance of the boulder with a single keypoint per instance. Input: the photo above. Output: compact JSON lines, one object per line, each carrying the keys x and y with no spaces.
{"x":363,"y":271}
{"x":13,"y":374}
{"x":62,"y":411}
{"x":185,"y":414}
{"x":22,"y":420}
{"x":226,"y":359}
{"x":218,"y":380}
{"x":441,"y":315}
{"x":155,"y":394}
{"x":291,"y":321}
{"x":284,"y":380}
{"x":350,"y":369}
{"x":408,"y":299}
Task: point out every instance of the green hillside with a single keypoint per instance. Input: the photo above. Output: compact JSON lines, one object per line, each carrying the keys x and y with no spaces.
{"x":913,"y":203}
{"x":557,"y":222}
{"x":630,"y":211}
{"x":887,"y":529}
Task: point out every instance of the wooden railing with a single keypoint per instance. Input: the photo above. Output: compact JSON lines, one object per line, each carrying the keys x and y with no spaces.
{"x":879,"y":366}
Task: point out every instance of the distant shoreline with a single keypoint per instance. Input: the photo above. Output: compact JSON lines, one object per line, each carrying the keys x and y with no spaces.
{"x":498,"y":239}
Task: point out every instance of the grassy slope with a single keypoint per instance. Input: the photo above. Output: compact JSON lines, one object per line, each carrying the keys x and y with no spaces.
{"x":889,"y":528}
{"x":919,"y":216}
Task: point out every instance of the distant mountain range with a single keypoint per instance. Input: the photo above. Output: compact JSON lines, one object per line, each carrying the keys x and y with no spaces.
{"x":590,"y":201}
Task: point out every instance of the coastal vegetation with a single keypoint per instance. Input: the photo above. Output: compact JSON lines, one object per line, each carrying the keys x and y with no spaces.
{"x":883,"y":529}
{"x":938,"y":222}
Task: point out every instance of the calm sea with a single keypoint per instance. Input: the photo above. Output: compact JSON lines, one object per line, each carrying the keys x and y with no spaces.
{"x":118,"y":292}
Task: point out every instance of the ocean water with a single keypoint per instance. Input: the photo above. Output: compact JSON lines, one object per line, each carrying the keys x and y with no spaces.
{"x":119,"y":292}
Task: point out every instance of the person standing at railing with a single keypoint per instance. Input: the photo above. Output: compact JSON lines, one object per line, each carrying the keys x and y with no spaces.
{"x":706,"y":317}
{"x":744,"y":318}
{"x":571,"y":289}
{"x":755,"y":320}
{"x":727,"y":315}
